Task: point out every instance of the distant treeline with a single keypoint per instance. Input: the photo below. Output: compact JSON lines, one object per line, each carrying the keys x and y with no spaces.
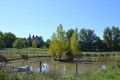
{"x":89,"y":41}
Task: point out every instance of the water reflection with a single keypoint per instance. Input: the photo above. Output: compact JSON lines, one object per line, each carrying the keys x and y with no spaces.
{"x":87,"y":65}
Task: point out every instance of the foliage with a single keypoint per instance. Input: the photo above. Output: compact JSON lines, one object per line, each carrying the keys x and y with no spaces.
{"x":1,"y":40}
{"x":108,"y":37}
{"x":34,"y":44}
{"x":112,"y":38}
{"x":87,"y":39}
{"x":2,"y":76}
{"x":69,"y":34}
{"x":9,"y":38}
{"x":74,"y":45}
{"x":2,"y":58}
{"x":25,"y":56}
{"x":19,"y":44}
{"x":59,"y":44}
{"x":46,"y":44}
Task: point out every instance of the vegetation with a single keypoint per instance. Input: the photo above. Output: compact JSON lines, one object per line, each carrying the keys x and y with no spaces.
{"x":74,"y":44}
{"x":9,"y":38}
{"x":112,"y":73}
{"x":112,"y":38}
{"x":88,"y":40}
{"x":19,"y":44}
{"x":34,"y":44}
{"x":59,"y":44}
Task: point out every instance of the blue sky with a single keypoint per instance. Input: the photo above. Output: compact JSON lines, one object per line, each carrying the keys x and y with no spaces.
{"x":41,"y":17}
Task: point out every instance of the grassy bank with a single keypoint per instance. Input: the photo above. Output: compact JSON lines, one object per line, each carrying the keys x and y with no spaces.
{"x":24,"y":49}
{"x":101,"y":53}
{"x":112,"y":73}
{"x":15,"y":56}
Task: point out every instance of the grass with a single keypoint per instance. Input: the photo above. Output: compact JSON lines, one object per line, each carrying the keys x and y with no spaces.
{"x":112,"y":73}
{"x":14,"y":56}
{"x":101,"y":53}
{"x":24,"y":49}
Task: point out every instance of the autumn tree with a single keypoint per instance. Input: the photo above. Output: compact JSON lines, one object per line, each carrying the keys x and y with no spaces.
{"x":74,"y":44}
{"x":58,"y":44}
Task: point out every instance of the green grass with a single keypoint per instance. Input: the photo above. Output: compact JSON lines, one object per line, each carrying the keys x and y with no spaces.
{"x":112,"y":73}
{"x":22,"y":56}
{"x":24,"y":49}
{"x":101,"y":53}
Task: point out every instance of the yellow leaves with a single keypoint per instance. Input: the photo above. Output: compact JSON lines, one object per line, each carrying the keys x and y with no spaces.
{"x":59,"y":44}
{"x":74,"y":44}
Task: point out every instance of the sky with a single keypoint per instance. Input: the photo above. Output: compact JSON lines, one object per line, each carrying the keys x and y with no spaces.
{"x":41,"y":17}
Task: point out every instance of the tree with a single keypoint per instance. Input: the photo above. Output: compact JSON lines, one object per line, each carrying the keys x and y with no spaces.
{"x":108,"y":38}
{"x":9,"y":38}
{"x":112,"y":38}
{"x":58,"y":44}
{"x":1,"y":40}
{"x":34,"y":44}
{"x":19,"y":44}
{"x":87,"y":39}
{"x":74,"y":44}
{"x":115,"y":38}
{"x":46,"y":44}
{"x":69,"y":34}
{"x":29,"y":41}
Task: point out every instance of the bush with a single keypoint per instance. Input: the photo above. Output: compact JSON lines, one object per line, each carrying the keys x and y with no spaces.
{"x":2,"y":76}
{"x":2,"y":58}
{"x":25,"y":56}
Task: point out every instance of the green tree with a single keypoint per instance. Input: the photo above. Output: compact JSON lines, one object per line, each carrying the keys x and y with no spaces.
{"x":87,"y":39}
{"x":112,"y":38}
{"x":74,"y":44}
{"x":1,"y":40}
{"x":115,"y":38}
{"x":29,"y":41}
{"x":108,"y":38}
{"x":19,"y":44}
{"x":9,"y":38}
{"x":34,"y":44}
{"x":69,"y":34}
{"x":58,"y":44}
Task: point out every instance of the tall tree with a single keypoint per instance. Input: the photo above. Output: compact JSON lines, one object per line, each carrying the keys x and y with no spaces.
{"x":108,"y":38}
{"x":112,"y":38}
{"x":87,"y":39}
{"x":9,"y":38}
{"x":69,"y":34}
{"x":58,"y":44}
{"x":1,"y":40}
{"x":115,"y":38}
{"x":74,"y":44}
{"x":29,"y":41}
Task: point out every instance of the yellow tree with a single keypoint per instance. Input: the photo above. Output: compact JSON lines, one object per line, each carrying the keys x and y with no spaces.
{"x":59,"y":43}
{"x":74,"y":45}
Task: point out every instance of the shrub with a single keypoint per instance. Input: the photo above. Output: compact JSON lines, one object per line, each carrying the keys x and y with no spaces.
{"x":25,"y":56}
{"x":2,"y":58}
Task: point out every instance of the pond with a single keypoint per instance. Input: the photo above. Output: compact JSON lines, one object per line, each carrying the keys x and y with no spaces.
{"x":87,"y":65}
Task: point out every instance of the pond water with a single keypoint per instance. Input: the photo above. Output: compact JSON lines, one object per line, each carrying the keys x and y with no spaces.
{"x":87,"y":65}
